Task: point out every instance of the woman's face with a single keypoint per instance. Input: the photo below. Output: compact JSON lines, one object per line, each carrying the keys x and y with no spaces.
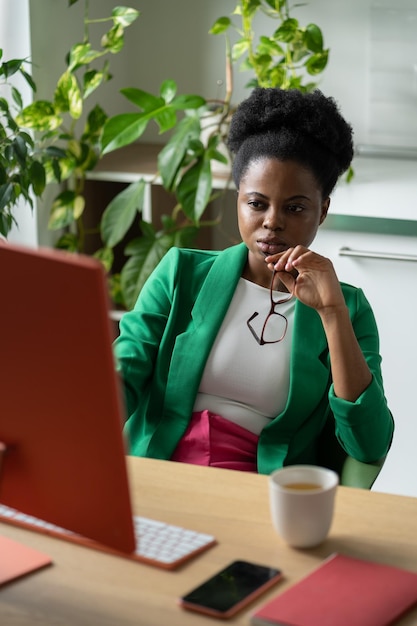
{"x":280,"y":205}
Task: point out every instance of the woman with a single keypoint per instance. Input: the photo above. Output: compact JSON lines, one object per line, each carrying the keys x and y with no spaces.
{"x":238,"y":358}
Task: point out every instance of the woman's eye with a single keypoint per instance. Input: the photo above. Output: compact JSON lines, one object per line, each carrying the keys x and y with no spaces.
{"x":255,"y":204}
{"x":295,"y":208}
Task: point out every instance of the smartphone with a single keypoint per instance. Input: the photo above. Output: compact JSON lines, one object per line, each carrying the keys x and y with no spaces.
{"x":231,"y":589}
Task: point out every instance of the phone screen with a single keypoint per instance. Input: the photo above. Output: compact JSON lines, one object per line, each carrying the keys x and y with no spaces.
{"x":231,"y":589}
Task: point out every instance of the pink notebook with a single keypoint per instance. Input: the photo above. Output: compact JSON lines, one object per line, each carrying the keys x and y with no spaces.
{"x":343,"y":591}
{"x":17,"y":560}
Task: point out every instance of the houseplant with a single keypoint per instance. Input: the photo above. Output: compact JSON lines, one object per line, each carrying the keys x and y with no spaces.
{"x":185,"y":168}
{"x":289,"y":57}
{"x":21,"y":172}
{"x":43,"y":142}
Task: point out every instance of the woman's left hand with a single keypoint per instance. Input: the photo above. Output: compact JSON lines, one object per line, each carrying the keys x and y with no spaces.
{"x":311,"y":278}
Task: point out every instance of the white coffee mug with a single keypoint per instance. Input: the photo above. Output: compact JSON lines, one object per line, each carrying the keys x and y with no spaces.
{"x":302,"y":503}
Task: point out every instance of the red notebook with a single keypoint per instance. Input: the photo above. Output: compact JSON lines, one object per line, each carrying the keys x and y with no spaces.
{"x":343,"y":591}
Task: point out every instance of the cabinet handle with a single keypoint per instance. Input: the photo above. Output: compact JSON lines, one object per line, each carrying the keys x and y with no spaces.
{"x":345,"y":251}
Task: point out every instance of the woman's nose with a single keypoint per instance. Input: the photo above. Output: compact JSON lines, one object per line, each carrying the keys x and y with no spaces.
{"x":274,"y":219}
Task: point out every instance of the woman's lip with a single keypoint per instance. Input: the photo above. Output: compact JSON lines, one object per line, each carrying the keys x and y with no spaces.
{"x":271,"y":247}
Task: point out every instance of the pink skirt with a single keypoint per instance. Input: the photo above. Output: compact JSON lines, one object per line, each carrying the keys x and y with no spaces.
{"x":215,"y":441}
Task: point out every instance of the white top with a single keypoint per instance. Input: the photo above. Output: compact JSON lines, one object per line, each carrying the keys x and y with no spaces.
{"x":243,"y":381}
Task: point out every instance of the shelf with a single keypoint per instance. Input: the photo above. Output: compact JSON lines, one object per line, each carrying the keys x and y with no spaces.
{"x":138,"y":160}
{"x":128,"y":164}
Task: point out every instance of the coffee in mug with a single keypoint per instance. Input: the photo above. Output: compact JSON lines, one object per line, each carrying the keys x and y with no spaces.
{"x":302,"y":486}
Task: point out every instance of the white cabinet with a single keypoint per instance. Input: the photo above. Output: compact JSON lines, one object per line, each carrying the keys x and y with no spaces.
{"x":391,"y":287}
{"x":382,"y":187}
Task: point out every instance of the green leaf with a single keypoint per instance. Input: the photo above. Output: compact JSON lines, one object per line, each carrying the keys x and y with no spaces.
{"x":122,"y":130}
{"x":94,"y":124}
{"x":6,"y":195}
{"x":54,"y":152}
{"x":148,"y":231}
{"x":249,"y":7}
{"x":4,"y":105}
{"x":82,"y":54}
{"x":277,"y":76}
{"x":316,"y":63}
{"x":314,"y":38}
{"x":220,"y":26}
{"x":124,"y":16}
{"x":115,"y":290}
{"x":113,"y":40}
{"x":11,"y":67}
{"x":17,"y":98}
{"x":37,"y":175}
{"x":272,"y":3}
{"x":172,"y":155}
{"x":28,"y":78}
{"x":185,"y":236}
{"x":188,"y":102}
{"x":239,"y":48}
{"x":92,"y":80}
{"x":194,"y":189}
{"x":67,"y":207}
{"x":142,"y":99}
{"x":146,"y":253}
{"x":287,"y":31}
{"x":20,"y":150}
{"x":168,"y":90}
{"x":6,"y":222}
{"x":68,"y":96}
{"x":269,"y":47}
{"x":68,"y":241}
{"x":40,"y":116}
{"x":350,"y":174}
{"x":120,"y":213}
{"x":106,"y":257}
{"x":218,"y":156}
{"x":56,"y":173}
{"x":166,"y":120}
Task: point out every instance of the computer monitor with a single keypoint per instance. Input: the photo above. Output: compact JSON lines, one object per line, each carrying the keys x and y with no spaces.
{"x":61,"y":408}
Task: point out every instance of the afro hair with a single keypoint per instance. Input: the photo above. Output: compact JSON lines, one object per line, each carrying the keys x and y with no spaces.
{"x":292,"y":125}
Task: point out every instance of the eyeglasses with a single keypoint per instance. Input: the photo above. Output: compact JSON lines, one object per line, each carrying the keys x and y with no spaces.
{"x":277,"y":326}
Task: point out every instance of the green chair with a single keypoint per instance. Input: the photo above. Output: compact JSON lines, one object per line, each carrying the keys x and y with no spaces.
{"x":352,"y":473}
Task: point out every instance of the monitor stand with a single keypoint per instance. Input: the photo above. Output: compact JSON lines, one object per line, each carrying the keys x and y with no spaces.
{"x":17,"y":559}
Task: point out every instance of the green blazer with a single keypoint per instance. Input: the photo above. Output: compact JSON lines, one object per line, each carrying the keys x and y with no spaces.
{"x":165,"y":341}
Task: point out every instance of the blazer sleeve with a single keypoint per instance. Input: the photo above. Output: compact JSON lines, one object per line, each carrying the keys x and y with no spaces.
{"x":365,"y":427}
{"x":141,"y":331}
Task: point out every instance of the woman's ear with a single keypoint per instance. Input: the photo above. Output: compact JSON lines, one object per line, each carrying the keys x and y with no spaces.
{"x":324,"y":210}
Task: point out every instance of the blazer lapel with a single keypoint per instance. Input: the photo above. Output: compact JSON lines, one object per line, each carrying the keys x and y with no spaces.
{"x":309,"y":370}
{"x":193,"y":347}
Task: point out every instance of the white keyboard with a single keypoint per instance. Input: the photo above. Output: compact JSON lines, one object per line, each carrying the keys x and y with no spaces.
{"x":160,"y":544}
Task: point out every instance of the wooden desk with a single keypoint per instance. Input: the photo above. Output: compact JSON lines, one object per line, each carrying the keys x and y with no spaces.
{"x":88,"y":588}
